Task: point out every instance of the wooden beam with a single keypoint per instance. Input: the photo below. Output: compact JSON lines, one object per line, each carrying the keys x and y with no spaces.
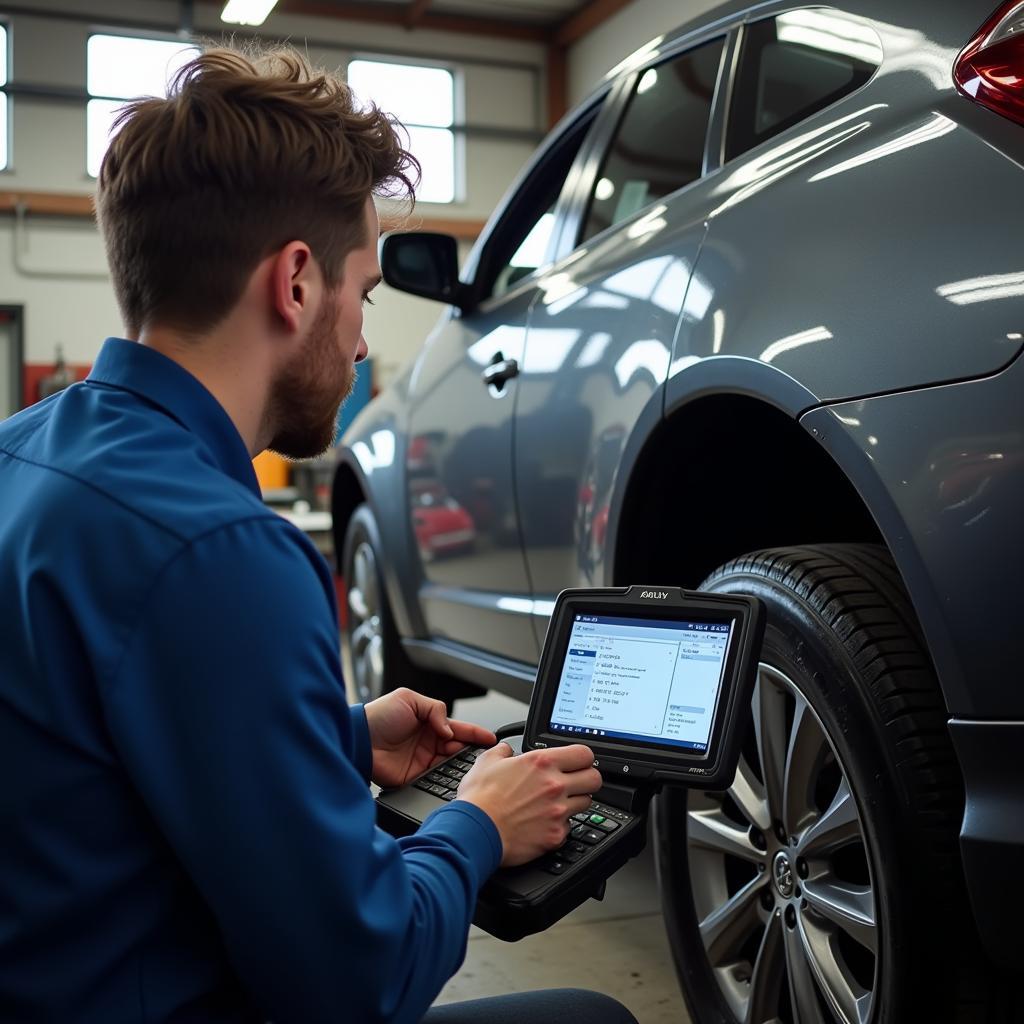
{"x":415,"y":12}
{"x":396,"y":14}
{"x":464,"y":230}
{"x":55,"y":204}
{"x":557,"y":83}
{"x":75,"y":204}
{"x":596,"y":13}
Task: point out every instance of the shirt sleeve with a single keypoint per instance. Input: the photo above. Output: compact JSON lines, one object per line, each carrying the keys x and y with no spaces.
{"x":229,"y":711}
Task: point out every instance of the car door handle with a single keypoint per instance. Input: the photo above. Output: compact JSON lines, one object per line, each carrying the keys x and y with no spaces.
{"x":500,"y":371}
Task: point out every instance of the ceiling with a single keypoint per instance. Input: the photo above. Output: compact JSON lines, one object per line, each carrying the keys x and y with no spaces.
{"x":539,"y":12}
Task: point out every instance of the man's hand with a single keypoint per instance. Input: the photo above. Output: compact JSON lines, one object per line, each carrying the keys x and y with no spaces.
{"x":410,"y":733}
{"x":531,"y":797}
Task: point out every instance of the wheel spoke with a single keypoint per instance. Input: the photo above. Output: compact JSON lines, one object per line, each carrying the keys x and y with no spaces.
{"x":712,"y":830}
{"x":357,"y":603}
{"x":725,"y":930}
{"x":769,"y":705}
{"x":848,"y":1005}
{"x":838,"y":826}
{"x":851,"y":907}
{"x":363,"y":635}
{"x":748,"y":793}
{"x":807,"y":745}
{"x":802,"y":987}
{"x":766,"y":979}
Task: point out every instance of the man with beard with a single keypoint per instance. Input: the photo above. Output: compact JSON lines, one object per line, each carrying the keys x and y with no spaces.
{"x":187,"y":829}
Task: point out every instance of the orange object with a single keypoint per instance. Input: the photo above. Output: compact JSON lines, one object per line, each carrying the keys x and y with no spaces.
{"x":272,"y":471}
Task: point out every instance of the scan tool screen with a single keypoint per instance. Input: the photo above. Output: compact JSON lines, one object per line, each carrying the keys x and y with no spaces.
{"x":641,"y":680}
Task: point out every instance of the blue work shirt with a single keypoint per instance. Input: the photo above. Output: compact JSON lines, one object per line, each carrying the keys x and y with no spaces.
{"x":186,"y":830}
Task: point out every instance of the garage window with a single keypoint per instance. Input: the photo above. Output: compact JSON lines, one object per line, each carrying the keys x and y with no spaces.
{"x":659,"y":146}
{"x":123,"y":68}
{"x":422,"y":97}
{"x":3,"y":97}
{"x":794,"y":65}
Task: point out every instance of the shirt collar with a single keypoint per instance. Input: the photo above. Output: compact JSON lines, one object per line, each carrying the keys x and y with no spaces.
{"x":160,"y":380}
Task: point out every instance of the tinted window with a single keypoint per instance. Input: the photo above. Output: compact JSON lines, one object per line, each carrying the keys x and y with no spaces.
{"x":792,"y":66}
{"x":520,"y":243}
{"x":659,"y":146}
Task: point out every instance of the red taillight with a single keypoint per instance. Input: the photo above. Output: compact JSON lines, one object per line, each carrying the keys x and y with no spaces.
{"x":990,"y":68}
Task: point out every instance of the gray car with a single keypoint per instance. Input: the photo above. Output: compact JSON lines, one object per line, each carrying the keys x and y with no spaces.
{"x":751,"y":320}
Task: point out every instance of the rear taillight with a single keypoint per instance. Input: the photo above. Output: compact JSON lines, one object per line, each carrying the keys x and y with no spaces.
{"x":990,"y":68}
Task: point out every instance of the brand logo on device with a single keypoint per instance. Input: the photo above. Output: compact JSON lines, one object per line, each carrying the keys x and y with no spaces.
{"x":658,"y":595}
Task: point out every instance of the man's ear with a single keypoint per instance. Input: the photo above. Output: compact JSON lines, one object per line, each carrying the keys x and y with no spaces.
{"x":293,"y":280}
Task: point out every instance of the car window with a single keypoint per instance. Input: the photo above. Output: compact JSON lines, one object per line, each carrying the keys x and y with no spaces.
{"x":520,"y":243}
{"x":792,"y":66}
{"x":659,"y":145}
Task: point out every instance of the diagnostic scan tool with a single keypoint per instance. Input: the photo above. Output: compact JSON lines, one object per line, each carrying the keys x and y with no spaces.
{"x":655,"y":680}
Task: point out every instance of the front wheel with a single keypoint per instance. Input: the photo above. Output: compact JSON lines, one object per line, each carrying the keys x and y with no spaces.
{"x":824,"y":887}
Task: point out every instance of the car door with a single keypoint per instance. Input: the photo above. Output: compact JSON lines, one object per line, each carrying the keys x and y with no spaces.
{"x":600,"y":336}
{"x":476,"y":590}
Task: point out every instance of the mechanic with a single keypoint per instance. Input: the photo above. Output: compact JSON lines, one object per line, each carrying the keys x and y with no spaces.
{"x":188,"y":832}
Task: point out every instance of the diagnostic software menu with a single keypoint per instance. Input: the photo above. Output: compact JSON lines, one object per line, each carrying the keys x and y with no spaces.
{"x":641,"y":679}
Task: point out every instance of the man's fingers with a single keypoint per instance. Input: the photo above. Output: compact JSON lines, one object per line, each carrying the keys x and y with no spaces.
{"x":469,"y":733}
{"x":578,"y":804}
{"x":498,"y":752}
{"x":438,"y":718}
{"x":571,"y":758}
{"x":587,"y":781}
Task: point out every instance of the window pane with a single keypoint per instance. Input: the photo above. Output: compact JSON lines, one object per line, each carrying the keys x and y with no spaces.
{"x":3,"y":98}
{"x":415,"y":95}
{"x":99,"y":116}
{"x":125,"y":67}
{"x":660,"y":143}
{"x":435,"y":150}
{"x":793,"y":66}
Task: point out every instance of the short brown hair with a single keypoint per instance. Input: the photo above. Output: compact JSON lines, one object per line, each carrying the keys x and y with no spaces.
{"x":250,"y":150}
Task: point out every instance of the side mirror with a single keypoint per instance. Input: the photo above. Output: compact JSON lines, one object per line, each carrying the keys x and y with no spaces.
{"x":422,"y":263}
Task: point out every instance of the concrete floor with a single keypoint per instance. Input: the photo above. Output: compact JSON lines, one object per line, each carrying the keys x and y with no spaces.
{"x":616,"y":946}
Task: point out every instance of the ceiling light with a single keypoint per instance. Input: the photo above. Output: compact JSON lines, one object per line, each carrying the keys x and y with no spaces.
{"x":247,"y":12}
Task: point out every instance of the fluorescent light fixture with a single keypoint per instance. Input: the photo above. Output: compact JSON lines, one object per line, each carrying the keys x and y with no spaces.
{"x":247,"y":12}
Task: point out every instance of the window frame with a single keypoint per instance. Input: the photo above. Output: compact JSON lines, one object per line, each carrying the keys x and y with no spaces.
{"x":740,"y":33}
{"x":160,"y":37}
{"x":624,"y":92}
{"x":5,"y":96}
{"x":480,"y":269}
{"x":458,"y":112}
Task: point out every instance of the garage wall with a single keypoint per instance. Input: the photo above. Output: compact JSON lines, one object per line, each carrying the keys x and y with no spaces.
{"x":55,"y":266}
{"x":632,"y":27}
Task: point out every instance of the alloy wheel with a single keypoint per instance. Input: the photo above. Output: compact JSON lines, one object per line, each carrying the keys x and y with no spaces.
{"x":366,"y":631}
{"x":782,"y":875}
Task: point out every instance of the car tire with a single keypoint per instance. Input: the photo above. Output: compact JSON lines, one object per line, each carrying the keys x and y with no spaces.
{"x":378,"y":661}
{"x":826,"y":884}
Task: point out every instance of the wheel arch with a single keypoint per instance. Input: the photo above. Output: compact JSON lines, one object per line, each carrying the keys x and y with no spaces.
{"x":762,"y":473}
{"x":349,"y":490}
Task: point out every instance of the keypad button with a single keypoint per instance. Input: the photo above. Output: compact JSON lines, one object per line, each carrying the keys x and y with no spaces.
{"x":450,"y":795}
{"x":579,"y":831}
{"x":571,"y":856}
{"x":554,"y":866}
{"x":424,"y":784}
{"x":581,"y":817}
{"x":607,"y":825}
{"x":591,"y":836}
{"x":463,"y":766}
{"x":437,"y":778}
{"x":438,"y":790}
{"x":596,"y":819}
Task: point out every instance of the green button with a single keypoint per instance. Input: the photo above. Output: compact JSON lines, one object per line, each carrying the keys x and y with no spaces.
{"x":596,"y":819}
